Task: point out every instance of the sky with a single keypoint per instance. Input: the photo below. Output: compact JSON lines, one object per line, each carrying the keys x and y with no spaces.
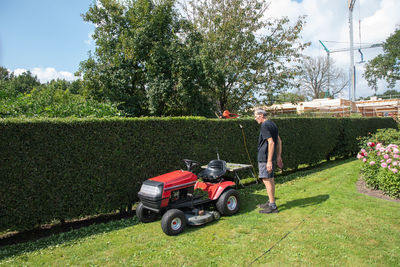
{"x":50,"y":38}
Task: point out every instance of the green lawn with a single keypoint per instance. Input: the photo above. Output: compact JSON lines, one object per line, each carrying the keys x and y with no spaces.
{"x":323,"y":220}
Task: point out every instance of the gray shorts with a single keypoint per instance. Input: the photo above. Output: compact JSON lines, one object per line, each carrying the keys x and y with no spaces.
{"x":262,"y":170}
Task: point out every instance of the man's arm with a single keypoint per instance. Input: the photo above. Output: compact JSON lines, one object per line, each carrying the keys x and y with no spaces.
{"x":279,"y":153}
{"x":271,"y":150}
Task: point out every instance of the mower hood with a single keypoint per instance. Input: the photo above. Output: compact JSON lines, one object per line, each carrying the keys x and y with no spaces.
{"x":176,"y":179}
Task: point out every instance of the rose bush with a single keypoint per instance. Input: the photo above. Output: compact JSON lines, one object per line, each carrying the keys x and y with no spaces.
{"x":381,"y":165}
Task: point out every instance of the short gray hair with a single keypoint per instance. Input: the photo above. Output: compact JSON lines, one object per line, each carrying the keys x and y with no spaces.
{"x":260,"y":111}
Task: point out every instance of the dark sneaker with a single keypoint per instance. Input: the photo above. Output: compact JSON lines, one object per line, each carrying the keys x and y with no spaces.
{"x":263,"y":205}
{"x":269,"y":209}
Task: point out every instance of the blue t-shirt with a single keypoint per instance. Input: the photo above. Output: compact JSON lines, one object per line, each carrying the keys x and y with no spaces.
{"x":268,"y":129}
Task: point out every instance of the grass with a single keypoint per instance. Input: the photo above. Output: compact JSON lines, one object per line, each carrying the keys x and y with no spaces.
{"x":323,"y":220}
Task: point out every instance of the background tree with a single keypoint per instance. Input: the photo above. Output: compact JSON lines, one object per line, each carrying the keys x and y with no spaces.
{"x":316,"y":75}
{"x":23,"y":83}
{"x":24,"y":96}
{"x":385,"y":66}
{"x":4,"y":74}
{"x":142,"y":61}
{"x":246,"y":56}
{"x":291,"y":97}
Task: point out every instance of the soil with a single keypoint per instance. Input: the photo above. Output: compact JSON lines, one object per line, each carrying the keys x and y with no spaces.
{"x":364,"y":189}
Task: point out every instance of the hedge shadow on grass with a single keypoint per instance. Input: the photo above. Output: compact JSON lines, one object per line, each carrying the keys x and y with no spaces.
{"x":68,"y":233}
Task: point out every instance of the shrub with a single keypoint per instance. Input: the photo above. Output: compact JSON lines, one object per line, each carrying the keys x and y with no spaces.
{"x":381,"y":166}
{"x":48,"y":102}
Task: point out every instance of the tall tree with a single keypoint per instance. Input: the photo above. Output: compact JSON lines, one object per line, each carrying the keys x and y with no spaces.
{"x":245,"y":55}
{"x":4,"y":74}
{"x":319,"y":77}
{"x":385,"y":66}
{"x":291,"y":97}
{"x":141,"y":61}
{"x":23,"y":83}
{"x":115,"y":71}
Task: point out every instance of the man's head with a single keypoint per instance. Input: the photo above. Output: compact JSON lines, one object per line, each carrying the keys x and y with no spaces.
{"x":260,"y":115}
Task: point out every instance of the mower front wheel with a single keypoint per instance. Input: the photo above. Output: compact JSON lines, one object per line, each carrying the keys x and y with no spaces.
{"x":145,"y":215}
{"x":228,"y":203}
{"x":173,"y":222}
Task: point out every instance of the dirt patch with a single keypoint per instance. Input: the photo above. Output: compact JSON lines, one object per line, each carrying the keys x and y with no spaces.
{"x":364,"y":189}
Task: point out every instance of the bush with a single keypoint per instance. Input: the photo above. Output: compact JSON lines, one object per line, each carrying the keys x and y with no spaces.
{"x":49,"y":102}
{"x":381,"y":162}
{"x":68,"y":168}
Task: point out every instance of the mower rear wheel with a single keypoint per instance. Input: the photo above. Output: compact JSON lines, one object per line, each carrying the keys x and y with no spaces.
{"x":228,"y":203}
{"x":173,"y":222}
{"x":145,"y":215}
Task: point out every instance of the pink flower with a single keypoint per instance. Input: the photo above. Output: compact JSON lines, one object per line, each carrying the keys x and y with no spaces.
{"x":396,"y":156}
{"x":395,"y":163}
{"x":394,"y":170}
{"x":386,"y":156}
{"x":379,"y":153}
{"x":363,"y":150}
{"x":383,"y":165}
{"x":395,"y":151}
{"x":364,"y":160}
{"x":372,"y":163}
{"x":389,"y":161}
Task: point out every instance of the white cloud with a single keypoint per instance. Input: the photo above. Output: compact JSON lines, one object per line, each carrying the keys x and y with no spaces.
{"x":90,"y":40}
{"x":328,"y":21}
{"x":47,"y":74}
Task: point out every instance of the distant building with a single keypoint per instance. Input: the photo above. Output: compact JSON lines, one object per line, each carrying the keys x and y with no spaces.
{"x":324,"y":106}
{"x":339,"y":107}
{"x":376,"y":107}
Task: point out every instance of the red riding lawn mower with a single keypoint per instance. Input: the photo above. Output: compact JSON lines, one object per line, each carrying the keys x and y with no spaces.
{"x":182,"y":198}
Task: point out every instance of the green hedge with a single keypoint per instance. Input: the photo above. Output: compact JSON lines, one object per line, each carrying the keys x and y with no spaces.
{"x":67,"y":168}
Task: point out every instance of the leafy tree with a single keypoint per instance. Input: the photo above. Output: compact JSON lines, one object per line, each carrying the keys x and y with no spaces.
{"x":316,"y":75}
{"x":385,"y":66}
{"x":23,"y":83}
{"x":293,"y":98}
{"x":4,"y":74}
{"x":141,"y":62}
{"x":4,"y":77}
{"x":115,"y":72}
{"x":244,"y":55}
{"x":11,"y":85}
{"x":47,"y":101}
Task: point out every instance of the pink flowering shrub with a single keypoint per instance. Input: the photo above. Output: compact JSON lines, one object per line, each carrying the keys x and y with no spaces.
{"x":381,"y":166}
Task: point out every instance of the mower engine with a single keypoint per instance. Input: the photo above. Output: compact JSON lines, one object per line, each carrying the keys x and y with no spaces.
{"x":159,"y":192}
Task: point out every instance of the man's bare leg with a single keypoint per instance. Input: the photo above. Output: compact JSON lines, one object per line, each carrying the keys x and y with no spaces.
{"x":270,"y":186}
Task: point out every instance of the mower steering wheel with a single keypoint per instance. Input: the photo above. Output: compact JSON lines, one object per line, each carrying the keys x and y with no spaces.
{"x":190,"y":163}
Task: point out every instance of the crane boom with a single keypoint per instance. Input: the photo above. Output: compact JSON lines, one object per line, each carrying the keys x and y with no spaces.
{"x":356,"y":48}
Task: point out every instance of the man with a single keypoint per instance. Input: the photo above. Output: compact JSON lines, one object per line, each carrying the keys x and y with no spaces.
{"x":269,"y":154}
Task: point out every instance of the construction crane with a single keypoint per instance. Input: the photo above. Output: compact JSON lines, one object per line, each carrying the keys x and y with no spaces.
{"x":352,"y":89}
{"x":329,"y":52}
{"x":352,"y":72}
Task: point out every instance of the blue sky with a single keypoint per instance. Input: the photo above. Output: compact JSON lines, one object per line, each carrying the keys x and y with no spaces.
{"x":50,"y":38}
{"x":44,"y":34}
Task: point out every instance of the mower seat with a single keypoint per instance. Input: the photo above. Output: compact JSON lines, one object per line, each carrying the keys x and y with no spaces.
{"x":215,"y":169}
